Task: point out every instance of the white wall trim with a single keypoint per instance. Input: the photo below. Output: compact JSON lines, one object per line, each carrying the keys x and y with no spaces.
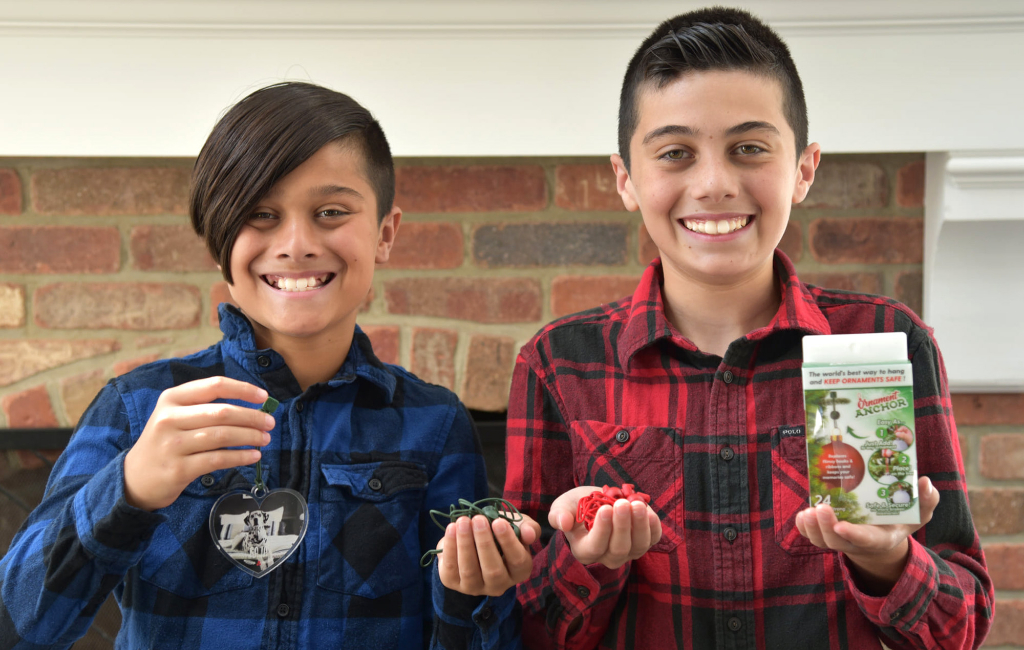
{"x":387,"y":31}
{"x":486,"y":78}
{"x":987,"y":171}
{"x":973,"y":294}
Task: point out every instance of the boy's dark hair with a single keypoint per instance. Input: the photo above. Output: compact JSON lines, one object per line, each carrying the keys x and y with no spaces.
{"x":264,"y":137}
{"x":716,"y":38}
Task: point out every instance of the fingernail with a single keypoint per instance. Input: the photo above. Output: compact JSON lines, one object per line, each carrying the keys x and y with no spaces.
{"x":268,"y":421}
{"x":637,"y":507}
{"x":931,"y":488}
{"x":266,"y":438}
{"x":463,"y":525}
{"x":500,"y":526}
{"x":255,"y":455}
{"x":449,"y":529}
{"x":480,"y":523}
{"x":605,"y":513}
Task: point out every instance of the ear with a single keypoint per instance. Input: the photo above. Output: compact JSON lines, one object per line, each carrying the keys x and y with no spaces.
{"x":805,"y":167}
{"x":624,"y":184}
{"x":386,"y":234}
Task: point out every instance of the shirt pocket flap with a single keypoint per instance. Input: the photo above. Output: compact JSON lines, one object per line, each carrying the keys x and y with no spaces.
{"x":375,"y":482}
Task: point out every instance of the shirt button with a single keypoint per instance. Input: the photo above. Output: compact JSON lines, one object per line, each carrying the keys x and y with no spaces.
{"x":207,"y":480}
{"x":283,"y":609}
{"x":263,"y":360}
{"x":299,"y":406}
{"x":375,"y":484}
{"x":730,"y":533}
{"x":735,"y":624}
{"x":582,"y":591}
{"x":484,"y":615}
{"x":727,"y":453}
{"x":622,"y":436}
{"x":727,"y":377}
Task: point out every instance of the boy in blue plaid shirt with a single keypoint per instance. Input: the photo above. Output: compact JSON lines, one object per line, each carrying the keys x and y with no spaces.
{"x":293,"y":194}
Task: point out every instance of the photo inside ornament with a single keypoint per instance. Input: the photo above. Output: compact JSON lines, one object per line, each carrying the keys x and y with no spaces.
{"x":257,"y":534}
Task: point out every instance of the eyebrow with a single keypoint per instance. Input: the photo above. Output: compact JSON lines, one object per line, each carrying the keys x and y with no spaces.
{"x":753,"y":126}
{"x":671,"y":129}
{"x":331,"y":190}
{"x":678,"y":129}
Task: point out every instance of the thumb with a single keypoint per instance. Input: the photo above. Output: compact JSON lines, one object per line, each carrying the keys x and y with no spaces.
{"x":929,"y":498}
{"x":560,"y":519}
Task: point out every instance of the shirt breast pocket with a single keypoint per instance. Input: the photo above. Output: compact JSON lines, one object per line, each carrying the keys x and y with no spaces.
{"x":648,"y":457}
{"x":790,"y":491}
{"x":369,"y":527}
{"x":182,"y":558}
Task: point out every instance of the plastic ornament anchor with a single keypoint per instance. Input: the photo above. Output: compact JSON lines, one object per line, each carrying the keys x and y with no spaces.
{"x":257,"y":530}
{"x":492,"y":508}
{"x":587,"y":507}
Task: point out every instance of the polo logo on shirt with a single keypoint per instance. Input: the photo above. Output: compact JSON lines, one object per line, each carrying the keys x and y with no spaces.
{"x":791,"y":430}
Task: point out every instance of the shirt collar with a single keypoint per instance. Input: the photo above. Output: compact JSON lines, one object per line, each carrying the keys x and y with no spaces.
{"x":646,"y":322}
{"x":239,"y":343}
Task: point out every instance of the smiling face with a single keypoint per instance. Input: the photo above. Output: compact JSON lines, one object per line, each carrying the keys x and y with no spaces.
{"x":714,"y":172}
{"x":303,"y":263}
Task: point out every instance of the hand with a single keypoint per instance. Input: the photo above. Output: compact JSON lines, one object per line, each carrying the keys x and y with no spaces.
{"x":470,"y":562}
{"x":878,"y":551}
{"x":186,"y":437}
{"x":620,"y":533}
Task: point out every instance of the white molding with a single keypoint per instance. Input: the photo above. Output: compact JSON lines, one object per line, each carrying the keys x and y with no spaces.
{"x":973,"y":294}
{"x":395,"y":19}
{"x":987,"y":171}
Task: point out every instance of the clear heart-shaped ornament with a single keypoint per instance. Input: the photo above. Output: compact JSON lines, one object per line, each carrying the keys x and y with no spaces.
{"x":258,"y":530}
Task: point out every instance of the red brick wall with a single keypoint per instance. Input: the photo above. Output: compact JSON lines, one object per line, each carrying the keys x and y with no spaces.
{"x":99,"y":272}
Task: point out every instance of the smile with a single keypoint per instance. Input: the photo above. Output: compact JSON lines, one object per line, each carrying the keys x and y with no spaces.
{"x":296,"y":285}
{"x":715,"y":227}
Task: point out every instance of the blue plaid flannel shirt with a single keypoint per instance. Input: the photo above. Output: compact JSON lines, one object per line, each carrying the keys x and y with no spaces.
{"x":355,"y":580}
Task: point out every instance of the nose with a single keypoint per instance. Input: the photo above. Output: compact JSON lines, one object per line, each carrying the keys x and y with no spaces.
{"x":298,"y":239}
{"x":714,"y":179}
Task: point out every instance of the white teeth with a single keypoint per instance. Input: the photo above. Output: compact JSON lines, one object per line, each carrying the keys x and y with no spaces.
{"x":297,"y":284}
{"x":717,"y":227}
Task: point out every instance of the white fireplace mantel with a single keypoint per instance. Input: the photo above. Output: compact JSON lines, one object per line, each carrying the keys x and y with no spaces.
{"x":974,"y":266}
{"x":493,"y":78}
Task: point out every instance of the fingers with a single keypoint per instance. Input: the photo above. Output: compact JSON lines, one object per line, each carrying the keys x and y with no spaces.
{"x":199,"y":416}
{"x":211,"y":461}
{"x":529,"y":530}
{"x":621,"y":541}
{"x":448,"y":560}
{"x":518,"y":561}
{"x":194,"y":442}
{"x":204,"y":391}
{"x":469,"y":566}
{"x":641,"y":529}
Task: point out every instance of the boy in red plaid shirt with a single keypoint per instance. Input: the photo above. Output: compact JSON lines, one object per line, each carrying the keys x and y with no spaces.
{"x":690,"y":389}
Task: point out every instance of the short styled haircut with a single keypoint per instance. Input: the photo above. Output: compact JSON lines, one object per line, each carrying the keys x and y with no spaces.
{"x":264,"y":137}
{"x":716,"y":38}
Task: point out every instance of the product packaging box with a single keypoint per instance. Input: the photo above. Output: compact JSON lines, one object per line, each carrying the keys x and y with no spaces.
{"x":861,"y":452}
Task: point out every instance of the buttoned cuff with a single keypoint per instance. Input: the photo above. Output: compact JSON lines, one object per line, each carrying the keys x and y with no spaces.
{"x":109,"y":528}
{"x":909,"y":598}
{"x":458,"y":613}
{"x":581,"y":590}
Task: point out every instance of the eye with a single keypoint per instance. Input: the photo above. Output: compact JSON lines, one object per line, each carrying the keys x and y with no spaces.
{"x":261,"y":216}
{"x":675,"y":154}
{"x":749,"y":149}
{"x":332,"y":212}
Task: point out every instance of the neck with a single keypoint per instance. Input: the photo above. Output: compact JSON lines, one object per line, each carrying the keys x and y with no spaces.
{"x":312,"y":360}
{"x":715,"y":315}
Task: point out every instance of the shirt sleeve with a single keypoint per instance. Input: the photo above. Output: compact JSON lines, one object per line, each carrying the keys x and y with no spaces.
{"x":461,"y":621}
{"x":78,"y":544}
{"x":945,"y":598}
{"x":565,"y":604}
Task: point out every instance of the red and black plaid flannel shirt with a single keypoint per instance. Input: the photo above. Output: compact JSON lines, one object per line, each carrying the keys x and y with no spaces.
{"x":616,"y":395}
